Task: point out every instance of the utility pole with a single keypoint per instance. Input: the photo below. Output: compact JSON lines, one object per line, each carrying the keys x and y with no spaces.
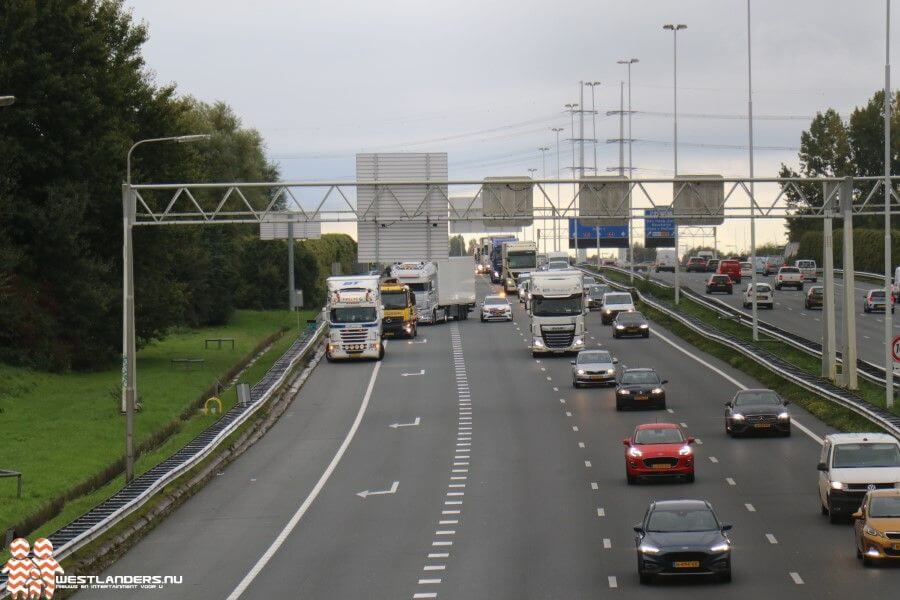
{"x":629,"y":62}
{"x":621,"y":128}
{"x":543,"y":150}
{"x":571,"y":108}
{"x":292,"y":295}
{"x":531,"y":173}
{"x":556,"y":130}
{"x":888,"y":188}
{"x":753,"y":277}
{"x":593,"y":85}
{"x":675,"y":29}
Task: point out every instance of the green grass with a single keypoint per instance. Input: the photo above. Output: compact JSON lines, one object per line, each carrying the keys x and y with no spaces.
{"x":62,"y":430}
{"x":829,"y":412}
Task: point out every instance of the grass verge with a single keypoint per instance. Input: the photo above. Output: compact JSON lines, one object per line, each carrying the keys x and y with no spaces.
{"x":828,"y":412}
{"x":65,"y":432}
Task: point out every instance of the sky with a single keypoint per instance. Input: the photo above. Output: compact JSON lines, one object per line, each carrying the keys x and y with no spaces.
{"x":485,"y":80}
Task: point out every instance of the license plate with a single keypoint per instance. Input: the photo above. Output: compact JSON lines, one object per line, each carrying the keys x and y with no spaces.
{"x":596,"y":376}
{"x":642,"y":397}
{"x":660,"y":466}
{"x":763,"y":425}
{"x":687,"y":564}
{"x":761,"y":298}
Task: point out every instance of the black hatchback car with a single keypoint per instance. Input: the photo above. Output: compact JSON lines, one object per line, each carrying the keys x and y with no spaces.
{"x":640,"y":387}
{"x":682,"y":537}
{"x":712,"y":265}
{"x":719,"y":283}
{"x":630,"y":323}
{"x":757,"y":411}
{"x":814,"y":297}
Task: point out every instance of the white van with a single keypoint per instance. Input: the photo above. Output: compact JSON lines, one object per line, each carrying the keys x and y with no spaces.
{"x":852,"y":464}
{"x":808,"y":268}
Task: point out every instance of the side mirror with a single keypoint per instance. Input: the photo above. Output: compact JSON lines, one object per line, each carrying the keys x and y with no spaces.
{"x":626,"y":442}
{"x":728,"y":404}
{"x":664,"y":381}
{"x":786,"y":402}
{"x":571,"y":362}
{"x":822,"y":467}
{"x":615,"y":360}
{"x":727,"y":526}
{"x":857,"y":515}
{"x":638,"y":529}
{"x":691,"y":440}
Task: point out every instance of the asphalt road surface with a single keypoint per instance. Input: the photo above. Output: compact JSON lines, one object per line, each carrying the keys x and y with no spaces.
{"x":499,"y":481}
{"x":790,"y":314}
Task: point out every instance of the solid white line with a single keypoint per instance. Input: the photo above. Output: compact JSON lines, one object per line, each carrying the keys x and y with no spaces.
{"x":734,"y":381}
{"x":612,"y":581}
{"x":771,"y":538}
{"x":295,"y":519}
{"x":796,"y":577}
{"x":750,"y":507}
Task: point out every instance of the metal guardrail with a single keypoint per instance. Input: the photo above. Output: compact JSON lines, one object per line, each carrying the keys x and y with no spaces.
{"x":821,"y":387}
{"x":132,"y":496}
{"x":866,"y":369}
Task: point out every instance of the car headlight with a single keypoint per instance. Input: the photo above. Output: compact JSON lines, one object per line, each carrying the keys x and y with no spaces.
{"x":578,"y":341}
{"x":737,"y":417}
{"x":620,"y":327}
{"x":721,"y":547}
{"x":607,"y":311}
{"x":538,"y":342}
{"x":644,"y":326}
{"x":684,"y":451}
{"x":624,"y":392}
{"x":784,"y":415}
{"x":646,"y":548}
{"x":869,"y":530}
{"x":580,"y":372}
{"x":837,"y":485}
{"x":634,"y":452}
{"x":496,"y":274}
{"x":613,"y":372}
{"x":656,"y":391}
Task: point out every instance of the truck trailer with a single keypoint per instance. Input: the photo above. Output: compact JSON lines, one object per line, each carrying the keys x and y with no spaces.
{"x":355,"y":314}
{"x":443,"y":289}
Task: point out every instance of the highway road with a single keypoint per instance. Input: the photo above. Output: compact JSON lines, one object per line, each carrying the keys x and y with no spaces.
{"x":489,"y":476}
{"x":790,"y":314}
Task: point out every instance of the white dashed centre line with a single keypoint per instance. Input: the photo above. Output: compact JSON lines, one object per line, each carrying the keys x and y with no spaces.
{"x":601,"y":512}
{"x":581,"y":444}
{"x":613,"y":584}
{"x":607,"y":543}
{"x":594,"y":485}
{"x":670,"y":411}
{"x":574,"y":427}
{"x":568,"y":414}
{"x":796,"y":577}
{"x":730,"y":481}
{"x":771,"y":538}
{"x":713,"y":459}
{"x":587,"y":464}
{"x":750,"y":507}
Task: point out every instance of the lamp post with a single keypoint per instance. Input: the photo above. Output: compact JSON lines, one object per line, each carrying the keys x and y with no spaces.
{"x":571,"y":108}
{"x":629,"y":62}
{"x":556,"y":130}
{"x":543,"y":150}
{"x":129,"y":366}
{"x":675,"y":29}
{"x":592,"y":85}
{"x":531,"y":173}
{"x":752,"y":196}
{"x":888,"y":318}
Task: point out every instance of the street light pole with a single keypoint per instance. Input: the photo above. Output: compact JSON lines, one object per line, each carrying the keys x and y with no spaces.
{"x":629,"y":62}
{"x":531,"y":173}
{"x":593,"y":85}
{"x":543,"y":150}
{"x":675,"y":29}
{"x":129,"y":361}
{"x":556,"y":209}
{"x":888,"y":317}
{"x":572,"y":108}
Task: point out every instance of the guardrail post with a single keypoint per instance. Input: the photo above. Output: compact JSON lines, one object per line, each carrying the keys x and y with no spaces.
{"x":829,"y":345}
{"x":848,"y":355}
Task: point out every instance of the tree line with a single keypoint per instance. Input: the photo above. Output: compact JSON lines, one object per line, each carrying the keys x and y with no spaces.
{"x":83,"y":95}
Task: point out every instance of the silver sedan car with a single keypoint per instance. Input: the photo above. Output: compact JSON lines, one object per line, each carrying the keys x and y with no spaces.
{"x":594,"y":366}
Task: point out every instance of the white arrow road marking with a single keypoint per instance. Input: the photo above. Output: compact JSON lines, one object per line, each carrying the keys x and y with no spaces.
{"x":422,"y":341}
{"x":366,"y":493}
{"x":421,"y":372}
{"x":413,"y":424}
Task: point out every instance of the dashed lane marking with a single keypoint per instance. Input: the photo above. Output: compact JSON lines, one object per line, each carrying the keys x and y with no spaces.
{"x":796,"y":577}
{"x":424,"y":595}
{"x":601,"y":512}
{"x":581,"y":444}
{"x":771,"y":538}
{"x":574,"y":427}
{"x":670,"y":411}
{"x":607,"y":543}
{"x":730,"y":481}
{"x":568,"y":414}
{"x":750,"y":507}
{"x":713,"y":459}
{"x":613,"y":584}
{"x":434,"y":567}
{"x":439,"y":555}
{"x":595,"y":485}
{"x":587,"y":464}
{"x":428,"y":581}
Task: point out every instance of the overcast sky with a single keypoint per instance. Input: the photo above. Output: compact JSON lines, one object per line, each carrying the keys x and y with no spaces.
{"x":485,"y":80}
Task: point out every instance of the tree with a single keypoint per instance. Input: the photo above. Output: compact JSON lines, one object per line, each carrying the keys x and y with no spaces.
{"x":473,"y":245}
{"x":457,"y":246}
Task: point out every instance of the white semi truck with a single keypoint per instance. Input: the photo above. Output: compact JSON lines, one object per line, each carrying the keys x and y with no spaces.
{"x":444,"y":289}
{"x":517,"y":257}
{"x":557,"y":312}
{"x":355,"y":314}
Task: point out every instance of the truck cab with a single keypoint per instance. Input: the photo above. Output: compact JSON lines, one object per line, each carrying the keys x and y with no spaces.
{"x":557,"y":312}
{"x":421,"y":278}
{"x":354,"y":314}
{"x":399,"y":302}
{"x":517,"y":258}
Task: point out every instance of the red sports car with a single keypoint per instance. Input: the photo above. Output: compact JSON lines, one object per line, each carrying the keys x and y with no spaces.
{"x":658,"y":450}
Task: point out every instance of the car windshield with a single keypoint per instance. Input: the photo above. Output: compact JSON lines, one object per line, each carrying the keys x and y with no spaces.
{"x":521,"y":260}
{"x":697,"y":519}
{"x":617,"y":299}
{"x":765,"y":398}
{"x":588,"y":280}
{"x":885,"y":507}
{"x":746,"y":265}
{"x":720,"y":279}
{"x":597,"y":291}
{"x":354,"y":314}
{"x":496,"y":300}
{"x":790,"y":270}
{"x":557,"y":266}
{"x":420,"y":287}
{"x":669,"y":435}
{"x":593,"y":356}
{"x":877,"y":294}
{"x":762,"y":288}
{"x":393,"y":299}
{"x":630,"y":318}
{"x":556,"y":307}
{"x":638,"y":377}
{"x":866,"y":455}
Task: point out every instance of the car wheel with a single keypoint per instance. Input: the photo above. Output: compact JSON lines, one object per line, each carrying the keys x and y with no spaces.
{"x":834,"y":518}
{"x":786,"y":433}
{"x":662,"y":405}
{"x":482,"y":319}
{"x":823,"y":508}
{"x":644,"y":578}
{"x":328,"y":357}
{"x":575,"y":384}
{"x":728,"y":431}
{"x":690,"y":478}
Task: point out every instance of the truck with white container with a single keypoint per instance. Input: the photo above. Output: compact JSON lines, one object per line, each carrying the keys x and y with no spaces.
{"x":354,"y":313}
{"x":517,"y":258}
{"x":557,"y":311}
{"x":444,"y":289}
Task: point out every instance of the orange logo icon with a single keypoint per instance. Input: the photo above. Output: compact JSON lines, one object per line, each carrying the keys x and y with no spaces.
{"x":31,"y":578}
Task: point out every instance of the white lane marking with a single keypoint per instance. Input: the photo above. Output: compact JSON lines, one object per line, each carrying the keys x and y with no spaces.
{"x":422,"y":341}
{"x":448,"y":522}
{"x":456,"y":485}
{"x":450,"y":512}
{"x":439,"y":555}
{"x":543,"y":369}
{"x":445,"y":532}
{"x":734,"y":381}
{"x":442,"y":543}
{"x":456,"y":493}
{"x":434,"y":567}
{"x":867,"y":337}
{"x":816,"y":318}
{"x":730,"y":481}
{"x":796,"y":577}
{"x":556,"y":389}
{"x":574,"y":427}
{"x":568,"y":414}
{"x":392,"y":490}
{"x":549,"y":379}
{"x":612,"y":582}
{"x":683,"y":425}
{"x":453,"y":502}
{"x":587,"y":464}
{"x":607,"y":543}
{"x":581,"y":444}
{"x":670,"y":411}
{"x":601,"y":512}
{"x":562,"y":400}
{"x":698,"y":441}
{"x":458,"y":478}
{"x":428,"y":581}
{"x":295,"y":519}
{"x":750,"y":507}
{"x":424,"y":595}
{"x":421,"y":372}
{"x":461,"y":464}
{"x":771,"y":538}
{"x":803,"y":314}
{"x":594,"y":485}
{"x":713,"y":459}
{"x":413,"y":424}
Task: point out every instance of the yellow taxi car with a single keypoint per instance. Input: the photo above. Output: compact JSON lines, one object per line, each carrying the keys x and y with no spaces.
{"x":877,"y":526}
